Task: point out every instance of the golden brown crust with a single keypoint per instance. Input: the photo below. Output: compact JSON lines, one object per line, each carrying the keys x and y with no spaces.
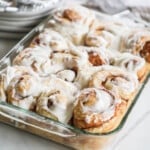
{"x":71,"y":15}
{"x":93,"y":121}
{"x":142,"y":73}
{"x":113,"y":123}
{"x":117,"y":80}
{"x":79,"y":116}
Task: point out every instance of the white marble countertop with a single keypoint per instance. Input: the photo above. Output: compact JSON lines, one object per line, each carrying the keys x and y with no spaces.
{"x":134,"y":136}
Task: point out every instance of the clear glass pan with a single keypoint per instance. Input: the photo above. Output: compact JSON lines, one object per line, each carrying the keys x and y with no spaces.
{"x":48,"y":128}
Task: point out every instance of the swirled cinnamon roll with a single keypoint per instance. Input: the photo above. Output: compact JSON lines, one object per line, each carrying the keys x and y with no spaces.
{"x":37,"y":58}
{"x":131,"y":63}
{"x":72,"y":22}
{"x":63,"y":61}
{"x":138,"y":43}
{"x":23,"y":91}
{"x":7,"y":75}
{"x":105,"y":33}
{"x":54,"y":83}
{"x":51,"y":39}
{"x":21,"y":86}
{"x":98,"y":110}
{"x":115,"y":79}
{"x":56,"y":101}
{"x":44,"y":63}
{"x":99,"y":36}
{"x":55,"y":105}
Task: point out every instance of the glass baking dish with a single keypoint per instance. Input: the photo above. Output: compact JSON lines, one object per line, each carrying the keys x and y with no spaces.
{"x":49,"y":128}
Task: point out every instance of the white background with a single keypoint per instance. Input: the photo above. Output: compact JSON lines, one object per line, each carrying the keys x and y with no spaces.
{"x":134,"y":136}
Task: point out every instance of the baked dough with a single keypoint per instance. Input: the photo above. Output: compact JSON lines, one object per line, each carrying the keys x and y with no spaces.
{"x":97,"y":107}
{"x":79,"y":70}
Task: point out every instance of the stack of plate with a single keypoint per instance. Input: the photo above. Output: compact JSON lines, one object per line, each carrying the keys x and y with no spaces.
{"x":18,"y":17}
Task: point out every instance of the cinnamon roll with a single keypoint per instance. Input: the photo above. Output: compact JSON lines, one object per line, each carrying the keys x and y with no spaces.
{"x":138,"y":43}
{"x":56,"y":100}
{"x":98,"y":110}
{"x":51,"y":39}
{"x":63,"y":61}
{"x":131,"y":63}
{"x":37,"y":58}
{"x":105,"y":33}
{"x":21,"y":86}
{"x":84,"y":75}
{"x":53,"y":83}
{"x":72,"y":22}
{"x":23,"y":91}
{"x":99,"y":36}
{"x":7,"y":75}
{"x":54,"y":105}
{"x":45,"y":63}
{"x":115,"y":79}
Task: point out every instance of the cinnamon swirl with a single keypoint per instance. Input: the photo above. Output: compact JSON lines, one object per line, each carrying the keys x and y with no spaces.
{"x":50,"y":39}
{"x":72,"y":22}
{"x":7,"y":75}
{"x":98,"y":36}
{"x":105,"y":33}
{"x":131,"y":63}
{"x":45,"y":63}
{"x":115,"y":79}
{"x":21,"y":86}
{"x":138,"y":43}
{"x":56,"y":100}
{"x":22,"y":91}
{"x":96,"y":108}
{"x":55,"y":105}
{"x":37,"y":58}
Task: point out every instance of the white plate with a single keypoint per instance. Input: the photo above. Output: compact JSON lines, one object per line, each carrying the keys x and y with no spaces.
{"x":16,"y":18}
{"x":29,"y":12}
{"x":25,"y":22}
